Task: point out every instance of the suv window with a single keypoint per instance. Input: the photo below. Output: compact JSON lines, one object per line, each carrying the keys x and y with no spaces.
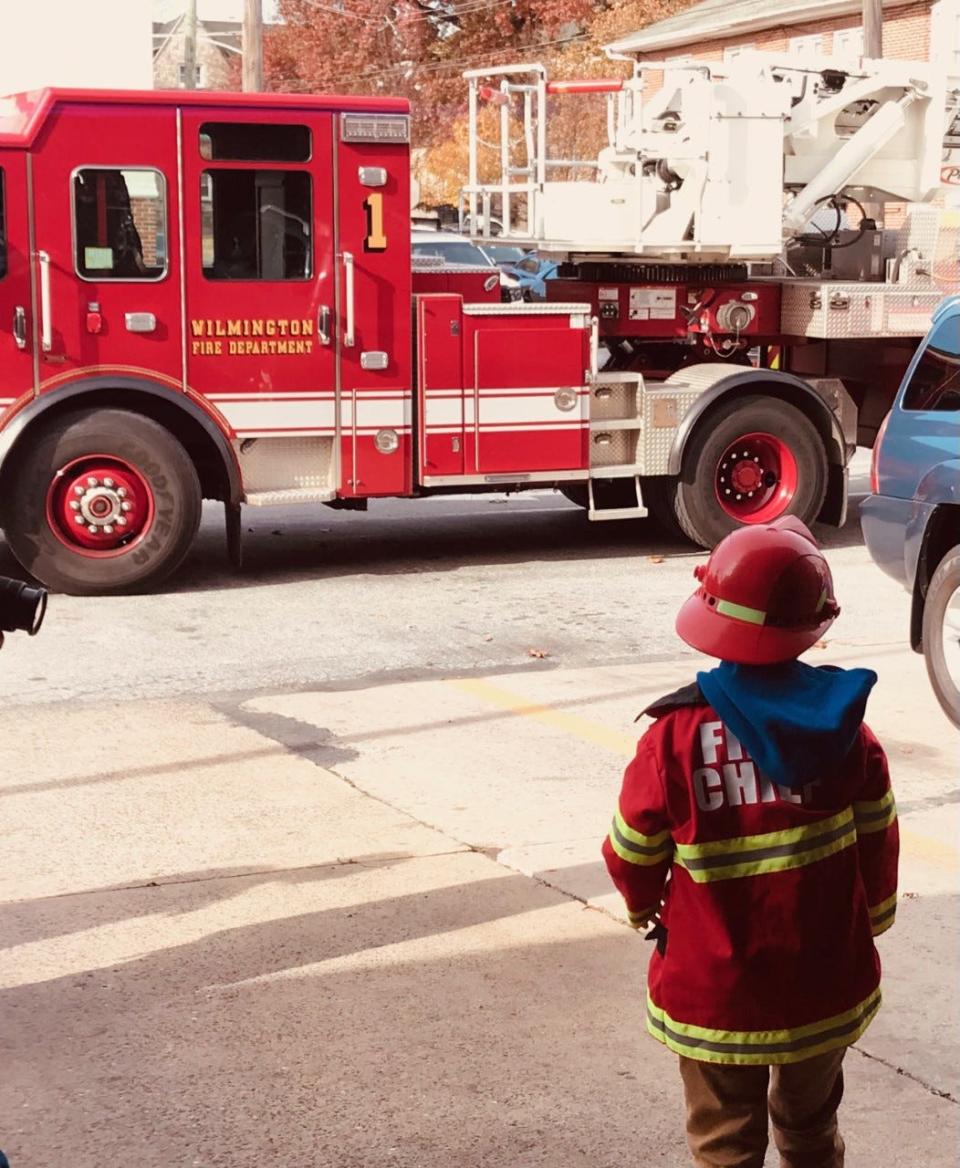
{"x":256,"y":224}
{"x":935,"y":384}
{"x":120,"y":224}
{"x":454,"y":251}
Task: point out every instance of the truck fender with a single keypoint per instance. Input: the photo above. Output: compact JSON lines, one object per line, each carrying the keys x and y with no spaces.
{"x":120,"y":393}
{"x":717,"y":382}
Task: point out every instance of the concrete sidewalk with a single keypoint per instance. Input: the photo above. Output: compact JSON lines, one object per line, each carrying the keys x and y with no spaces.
{"x":346,"y":929}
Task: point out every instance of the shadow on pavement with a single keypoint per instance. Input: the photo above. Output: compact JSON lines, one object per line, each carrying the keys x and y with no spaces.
{"x":503,"y":1048}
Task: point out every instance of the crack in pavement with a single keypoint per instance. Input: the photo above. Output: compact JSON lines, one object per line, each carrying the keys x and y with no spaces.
{"x":875,"y":1058}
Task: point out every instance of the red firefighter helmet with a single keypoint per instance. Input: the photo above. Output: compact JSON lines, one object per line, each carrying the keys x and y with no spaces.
{"x":765,"y":595}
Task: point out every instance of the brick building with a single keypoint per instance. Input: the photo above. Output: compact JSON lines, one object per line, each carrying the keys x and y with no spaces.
{"x":218,"y":54}
{"x":717,"y":30}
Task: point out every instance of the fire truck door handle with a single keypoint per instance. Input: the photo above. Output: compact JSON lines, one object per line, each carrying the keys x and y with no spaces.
{"x":20,"y":326}
{"x":323,"y":324}
{"x":349,"y":336}
{"x":46,"y":323}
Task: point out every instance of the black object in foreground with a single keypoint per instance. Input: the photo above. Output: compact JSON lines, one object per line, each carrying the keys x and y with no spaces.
{"x":21,"y":607}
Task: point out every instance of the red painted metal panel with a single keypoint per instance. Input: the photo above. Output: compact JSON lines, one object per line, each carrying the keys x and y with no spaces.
{"x":470,"y":285}
{"x":374,"y":228}
{"x":668,"y":311}
{"x":16,"y":364}
{"x":88,"y":316}
{"x":25,"y":114}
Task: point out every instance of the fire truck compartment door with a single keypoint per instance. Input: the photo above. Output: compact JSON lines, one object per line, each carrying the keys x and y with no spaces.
{"x":440,"y":384}
{"x":526,"y":401}
{"x":106,"y":215}
{"x":17,"y":320}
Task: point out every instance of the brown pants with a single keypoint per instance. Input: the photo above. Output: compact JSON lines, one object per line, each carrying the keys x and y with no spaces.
{"x":728,"y":1108}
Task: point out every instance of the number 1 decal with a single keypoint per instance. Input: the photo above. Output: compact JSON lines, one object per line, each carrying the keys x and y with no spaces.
{"x":376,"y":240}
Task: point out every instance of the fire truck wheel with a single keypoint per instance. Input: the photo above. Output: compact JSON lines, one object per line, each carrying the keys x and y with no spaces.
{"x":102,"y":501}
{"x":749,"y":461}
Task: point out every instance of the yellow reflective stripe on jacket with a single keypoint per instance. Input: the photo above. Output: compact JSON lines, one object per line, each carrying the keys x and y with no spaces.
{"x":635,"y":847}
{"x":761,"y":1047}
{"x":771,"y":851}
{"x":882,"y":915}
{"x":875,"y":815}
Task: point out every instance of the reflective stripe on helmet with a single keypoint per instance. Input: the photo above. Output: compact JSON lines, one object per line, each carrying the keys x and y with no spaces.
{"x":740,"y":612}
{"x":757,"y":1047}
{"x":772,"y":851}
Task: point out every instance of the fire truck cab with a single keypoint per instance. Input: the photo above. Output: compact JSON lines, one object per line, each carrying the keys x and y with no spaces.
{"x":208,"y":298}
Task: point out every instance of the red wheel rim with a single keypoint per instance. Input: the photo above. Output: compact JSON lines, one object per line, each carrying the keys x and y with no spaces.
{"x":99,"y":505}
{"x":756,"y":478}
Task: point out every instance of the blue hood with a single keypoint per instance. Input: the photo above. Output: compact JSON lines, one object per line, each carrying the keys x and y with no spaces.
{"x":796,"y":721}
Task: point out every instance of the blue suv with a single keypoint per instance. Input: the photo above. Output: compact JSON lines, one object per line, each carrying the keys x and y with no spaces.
{"x":911,"y":521}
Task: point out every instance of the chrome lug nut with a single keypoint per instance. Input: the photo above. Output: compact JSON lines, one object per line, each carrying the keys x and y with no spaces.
{"x":108,"y":482}
{"x":121,"y":521}
{"x":74,"y":505}
{"x":79,"y":519}
{"x":122,"y":492}
{"x":92,"y":482}
{"x":126,"y":506}
{"x":79,"y":491}
{"x":108,"y":529}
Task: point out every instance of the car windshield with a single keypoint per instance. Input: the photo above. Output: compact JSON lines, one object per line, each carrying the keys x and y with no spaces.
{"x":502,"y":254}
{"x":453,"y":251}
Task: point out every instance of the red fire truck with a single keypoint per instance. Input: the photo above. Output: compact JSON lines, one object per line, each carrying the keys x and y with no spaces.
{"x":211,"y":297}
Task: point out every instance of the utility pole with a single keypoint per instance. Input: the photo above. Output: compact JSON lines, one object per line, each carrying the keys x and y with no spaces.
{"x":253,"y":45}
{"x":190,"y":45}
{"x":873,"y":28}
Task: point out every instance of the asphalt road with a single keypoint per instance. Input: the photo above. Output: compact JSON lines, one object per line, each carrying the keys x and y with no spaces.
{"x":409,"y":588}
{"x":301,"y":864}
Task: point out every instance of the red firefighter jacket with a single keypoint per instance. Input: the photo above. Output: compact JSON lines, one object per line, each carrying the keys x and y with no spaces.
{"x":770,"y":896}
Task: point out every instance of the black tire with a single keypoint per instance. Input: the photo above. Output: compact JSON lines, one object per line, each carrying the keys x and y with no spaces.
{"x":944,"y":585}
{"x":691,"y":500}
{"x":144,"y":445}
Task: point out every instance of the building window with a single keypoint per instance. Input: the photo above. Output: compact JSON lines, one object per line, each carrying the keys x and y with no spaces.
{"x":848,"y":43}
{"x":732,"y":52}
{"x":935,"y":384}
{"x":199,"y":76}
{"x":806,"y":47}
{"x":3,"y":226}
{"x":256,"y":224}
{"x":247,"y":142}
{"x":120,"y":224}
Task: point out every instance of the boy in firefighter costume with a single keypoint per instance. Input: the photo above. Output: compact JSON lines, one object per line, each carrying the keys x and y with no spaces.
{"x":756,"y":828}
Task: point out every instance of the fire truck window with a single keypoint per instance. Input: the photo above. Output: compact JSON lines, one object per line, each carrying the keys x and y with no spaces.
{"x":247,"y":142}
{"x":935,"y":384}
{"x":256,"y":224}
{"x":120,"y":224}
{"x":3,"y":227}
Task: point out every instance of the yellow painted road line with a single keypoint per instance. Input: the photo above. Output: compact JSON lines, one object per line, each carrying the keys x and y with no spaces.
{"x":574,"y":724}
{"x":925,"y":848}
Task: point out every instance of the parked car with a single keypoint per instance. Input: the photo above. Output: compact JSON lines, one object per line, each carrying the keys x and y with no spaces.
{"x":531,"y":270}
{"x":456,"y":251}
{"x":911,"y":520}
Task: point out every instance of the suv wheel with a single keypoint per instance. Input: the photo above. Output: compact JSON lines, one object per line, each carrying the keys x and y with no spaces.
{"x":941,"y":634}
